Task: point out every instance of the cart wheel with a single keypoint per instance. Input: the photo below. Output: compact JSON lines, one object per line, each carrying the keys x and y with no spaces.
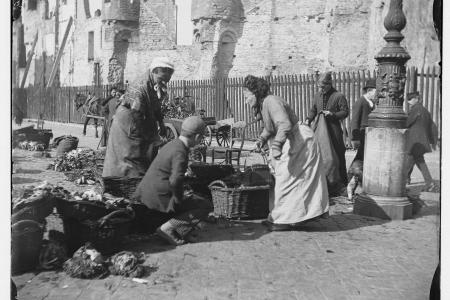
{"x":170,"y":135}
{"x":207,"y":137}
{"x":223,"y":136}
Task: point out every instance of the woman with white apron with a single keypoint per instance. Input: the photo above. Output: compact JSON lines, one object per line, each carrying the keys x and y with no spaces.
{"x":300,"y":192}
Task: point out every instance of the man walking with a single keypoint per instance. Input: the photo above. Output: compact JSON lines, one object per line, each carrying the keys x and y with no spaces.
{"x":419,"y":136}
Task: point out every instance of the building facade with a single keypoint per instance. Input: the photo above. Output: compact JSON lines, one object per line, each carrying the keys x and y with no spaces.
{"x":113,"y":41}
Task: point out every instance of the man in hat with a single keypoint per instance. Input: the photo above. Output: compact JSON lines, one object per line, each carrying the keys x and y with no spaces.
{"x":360,"y":120}
{"x":133,"y":140}
{"x":421,"y":133}
{"x":161,"y":189}
{"x":360,"y":117}
{"x":333,"y":105}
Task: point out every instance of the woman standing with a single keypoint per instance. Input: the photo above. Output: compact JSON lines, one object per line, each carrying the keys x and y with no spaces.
{"x":301,"y":192}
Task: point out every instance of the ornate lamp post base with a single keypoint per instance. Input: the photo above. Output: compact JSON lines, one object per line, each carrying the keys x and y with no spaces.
{"x":391,"y":208}
{"x":384,"y":182}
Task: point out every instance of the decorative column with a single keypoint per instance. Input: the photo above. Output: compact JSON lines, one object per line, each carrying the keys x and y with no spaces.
{"x":384,"y":175}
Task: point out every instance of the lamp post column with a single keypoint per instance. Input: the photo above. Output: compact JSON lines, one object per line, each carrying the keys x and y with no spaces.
{"x":384,"y":178}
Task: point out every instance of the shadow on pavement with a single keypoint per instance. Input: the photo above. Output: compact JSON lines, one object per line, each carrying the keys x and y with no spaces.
{"x":30,"y":171}
{"x":23,"y":180}
{"x":234,"y":230}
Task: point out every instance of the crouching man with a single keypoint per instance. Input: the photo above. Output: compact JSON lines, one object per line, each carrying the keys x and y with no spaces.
{"x":161,"y":189}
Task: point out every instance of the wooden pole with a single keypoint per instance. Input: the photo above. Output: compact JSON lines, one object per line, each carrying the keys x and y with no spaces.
{"x":30,"y":58}
{"x":60,"y":52}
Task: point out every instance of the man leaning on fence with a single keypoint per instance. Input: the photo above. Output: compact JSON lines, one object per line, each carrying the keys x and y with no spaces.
{"x":133,"y":140}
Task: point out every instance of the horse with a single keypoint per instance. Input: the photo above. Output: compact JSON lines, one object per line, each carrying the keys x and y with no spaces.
{"x":91,"y":107}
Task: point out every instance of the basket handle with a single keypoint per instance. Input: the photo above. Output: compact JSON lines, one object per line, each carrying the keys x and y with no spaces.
{"x":24,"y":224}
{"x":121,"y":212}
{"x":219,"y":183}
{"x":263,"y":155}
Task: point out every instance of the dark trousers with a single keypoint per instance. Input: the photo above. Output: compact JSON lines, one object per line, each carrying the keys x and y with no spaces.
{"x":362,"y":138}
{"x":186,"y":216}
{"x":418,"y":160}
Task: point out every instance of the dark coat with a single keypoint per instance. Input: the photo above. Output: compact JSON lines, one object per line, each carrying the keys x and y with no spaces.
{"x":336,"y":103}
{"x":162,"y":186}
{"x":360,"y":117}
{"x":420,"y":132}
{"x":134,"y":128}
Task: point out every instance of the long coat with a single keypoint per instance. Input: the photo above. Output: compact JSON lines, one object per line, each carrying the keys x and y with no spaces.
{"x":360,"y":117}
{"x":420,"y":132}
{"x":162,"y":186}
{"x":134,"y":128}
{"x":336,"y":103}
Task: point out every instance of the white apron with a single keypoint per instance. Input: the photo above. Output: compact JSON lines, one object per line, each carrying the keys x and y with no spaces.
{"x":301,"y":191}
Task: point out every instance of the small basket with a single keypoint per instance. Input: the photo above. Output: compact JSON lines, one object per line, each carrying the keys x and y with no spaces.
{"x":120,"y":186}
{"x":105,"y":234}
{"x":230,"y":202}
{"x":258,"y":174}
{"x":26,"y":243}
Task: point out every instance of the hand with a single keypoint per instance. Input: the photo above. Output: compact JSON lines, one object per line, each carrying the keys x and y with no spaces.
{"x":162,"y":131}
{"x":276,"y":153}
{"x":356,"y":144}
{"x":327,"y":113}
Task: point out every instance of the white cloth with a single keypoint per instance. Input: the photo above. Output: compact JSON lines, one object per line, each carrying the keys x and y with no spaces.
{"x":161,"y":62}
{"x":301,"y":191}
{"x":369,"y":101}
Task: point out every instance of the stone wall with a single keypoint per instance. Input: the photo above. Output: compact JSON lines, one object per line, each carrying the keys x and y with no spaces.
{"x":231,"y":37}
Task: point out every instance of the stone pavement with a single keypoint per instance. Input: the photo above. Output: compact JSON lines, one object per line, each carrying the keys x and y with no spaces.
{"x":343,"y":257}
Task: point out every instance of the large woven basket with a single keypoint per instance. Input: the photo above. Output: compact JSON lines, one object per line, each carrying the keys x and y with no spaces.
{"x":105,"y":234}
{"x":26,"y":242}
{"x":82,"y":209}
{"x":66,"y":144}
{"x":120,"y":187}
{"x":230,"y":202}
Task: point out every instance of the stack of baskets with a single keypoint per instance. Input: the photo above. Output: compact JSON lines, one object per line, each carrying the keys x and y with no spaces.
{"x":233,"y":202}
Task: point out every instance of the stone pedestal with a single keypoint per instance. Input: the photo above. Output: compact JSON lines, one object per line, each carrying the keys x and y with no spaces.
{"x":384,"y":181}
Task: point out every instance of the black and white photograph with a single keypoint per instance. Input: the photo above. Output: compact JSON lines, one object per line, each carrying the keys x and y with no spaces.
{"x":225,"y":149}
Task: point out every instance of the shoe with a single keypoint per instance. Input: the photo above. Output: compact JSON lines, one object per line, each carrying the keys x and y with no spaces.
{"x":280,"y":227}
{"x":169,"y":237}
{"x":266,"y":223}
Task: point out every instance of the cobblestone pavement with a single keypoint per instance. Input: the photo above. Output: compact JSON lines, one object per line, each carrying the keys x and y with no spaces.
{"x":343,"y":257}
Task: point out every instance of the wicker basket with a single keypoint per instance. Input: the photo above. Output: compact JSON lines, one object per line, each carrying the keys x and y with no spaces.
{"x":82,"y":210}
{"x":230,"y":202}
{"x":26,"y":243}
{"x":120,"y":187}
{"x":105,"y":234}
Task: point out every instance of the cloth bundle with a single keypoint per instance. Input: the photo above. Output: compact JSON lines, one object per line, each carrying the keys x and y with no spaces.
{"x":31,"y":146}
{"x":88,"y":263}
{"x":64,"y":144}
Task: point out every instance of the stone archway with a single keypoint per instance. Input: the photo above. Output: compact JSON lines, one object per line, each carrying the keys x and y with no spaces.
{"x":223,"y":60}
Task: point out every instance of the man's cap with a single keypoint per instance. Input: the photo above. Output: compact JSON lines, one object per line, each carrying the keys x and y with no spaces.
{"x":161,"y":62}
{"x":193,"y":124}
{"x":411,"y":95}
{"x":370,"y":83}
{"x":325,"y":78}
